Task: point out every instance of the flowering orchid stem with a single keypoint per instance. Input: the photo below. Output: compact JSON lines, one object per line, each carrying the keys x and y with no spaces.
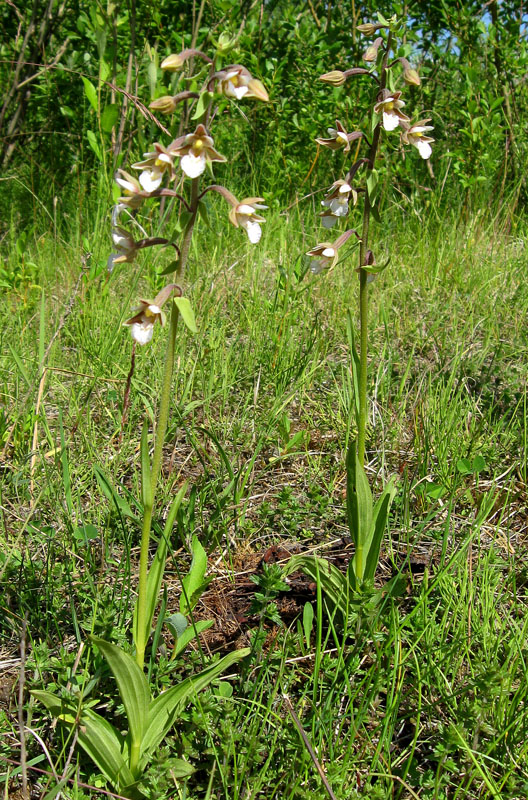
{"x":161,"y":429}
{"x":363,"y":278}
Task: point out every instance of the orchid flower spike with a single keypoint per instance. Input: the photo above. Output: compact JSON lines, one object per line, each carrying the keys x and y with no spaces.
{"x":127,"y":247}
{"x":148,"y":313}
{"x":237,"y":81}
{"x":195,"y":150}
{"x":244,"y":215}
{"x":153,"y":167}
{"x":324,"y":255}
{"x":339,"y":138}
{"x":414,"y":134}
{"x":133,"y":191}
{"x":388,"y":106}
{"x":336,"y":202}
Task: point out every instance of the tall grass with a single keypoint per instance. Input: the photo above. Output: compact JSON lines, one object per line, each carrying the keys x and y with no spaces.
{"x":430,"y":701}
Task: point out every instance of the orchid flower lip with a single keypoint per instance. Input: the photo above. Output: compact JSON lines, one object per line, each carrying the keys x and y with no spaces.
{"x":249,"y":210}
{"x":142,"y":332}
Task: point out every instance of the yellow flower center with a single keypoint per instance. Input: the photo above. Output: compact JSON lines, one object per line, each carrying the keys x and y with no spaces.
{"x":389,"y":106}
{"x":198,"y":145}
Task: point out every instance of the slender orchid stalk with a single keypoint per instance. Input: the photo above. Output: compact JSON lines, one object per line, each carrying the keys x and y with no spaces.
{"x":192,"y":152}
{"x":366,"y":521}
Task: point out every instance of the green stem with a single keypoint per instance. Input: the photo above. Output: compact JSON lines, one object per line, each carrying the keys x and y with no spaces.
{"x":363,"y":337}
{"x":135,"y":749}
{"x":142,"y":634}
{"x":363,"y":277}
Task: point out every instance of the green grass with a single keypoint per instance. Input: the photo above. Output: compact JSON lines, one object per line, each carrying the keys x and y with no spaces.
{"x":427,"y":697}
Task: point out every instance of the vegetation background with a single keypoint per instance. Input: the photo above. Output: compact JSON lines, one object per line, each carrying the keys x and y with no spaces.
{"x":429,"y":699}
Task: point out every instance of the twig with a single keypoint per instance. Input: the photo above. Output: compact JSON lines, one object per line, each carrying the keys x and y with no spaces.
{"x":21,"y":727}
{"x":35,"y":436}
{"x":126,"y":396}
{"x":308,"y":746}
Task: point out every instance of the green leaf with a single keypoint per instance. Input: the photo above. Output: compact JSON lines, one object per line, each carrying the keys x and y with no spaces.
{"x":333,"y":583}
{"x":177,"y":624}
{"x":172,"y":267}
{"x":187,"y":314}
{"x":152,"y":78}
{"x":85,"y":533}
{"x":20,"y":364}
{"x":104,"y":71}
{"x":204,"y":213}
{"x":379,"y":522}
{"x":94,"y":144}
{"x":165,"y":708}
{"x":111,"y":494}
{"x":375,"y":269}
{"x":373,"y":186}
{"x":91,"y":93}
{"x":479,"y":465}
{"x":358,"y":498}
{"x":435,"y":490}
{"x":132,"y":685}
{"x":464,"y":466}
{"x":193,"y":584}
{"x":109,"y":117}
{"x":225,"y":689}
{"x":54,"y":791}
{"x":201,"y":105}
{"x":146,"y":482}
{"x":308,"y":617}
{"x":98,"y":738}
{"x":157,"y":569}
{"x":359,"y":510}
{"x":191,"y":632}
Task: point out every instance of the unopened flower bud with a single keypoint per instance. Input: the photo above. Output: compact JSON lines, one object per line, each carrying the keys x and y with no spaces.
{"x":225,"y":42}
{"x":411,"y":77}
{"x":176,"y":61}
{"x":257,"y":90}
{"x":336,"y":77}
{"x":371,"y":53}
{"x":165,"y":105}
{"x":368,"y":29}
{"x":173,"y":62}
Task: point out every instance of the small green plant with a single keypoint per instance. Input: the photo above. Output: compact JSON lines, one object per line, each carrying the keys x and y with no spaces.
{"x":366,"y":520}
{"x":270,"y":583}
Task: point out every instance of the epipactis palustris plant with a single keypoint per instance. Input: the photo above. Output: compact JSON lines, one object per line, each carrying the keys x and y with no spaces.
{"x":387,"y":119}
{"x":174,"y":171}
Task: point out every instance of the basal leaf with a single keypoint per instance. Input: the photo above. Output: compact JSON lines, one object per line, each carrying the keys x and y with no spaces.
{"x":379,"y":522}
{"x":98,"y":738}
{"x":132,"y":685}
{"x":157,"y":569}
{"x":165,"y":708}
